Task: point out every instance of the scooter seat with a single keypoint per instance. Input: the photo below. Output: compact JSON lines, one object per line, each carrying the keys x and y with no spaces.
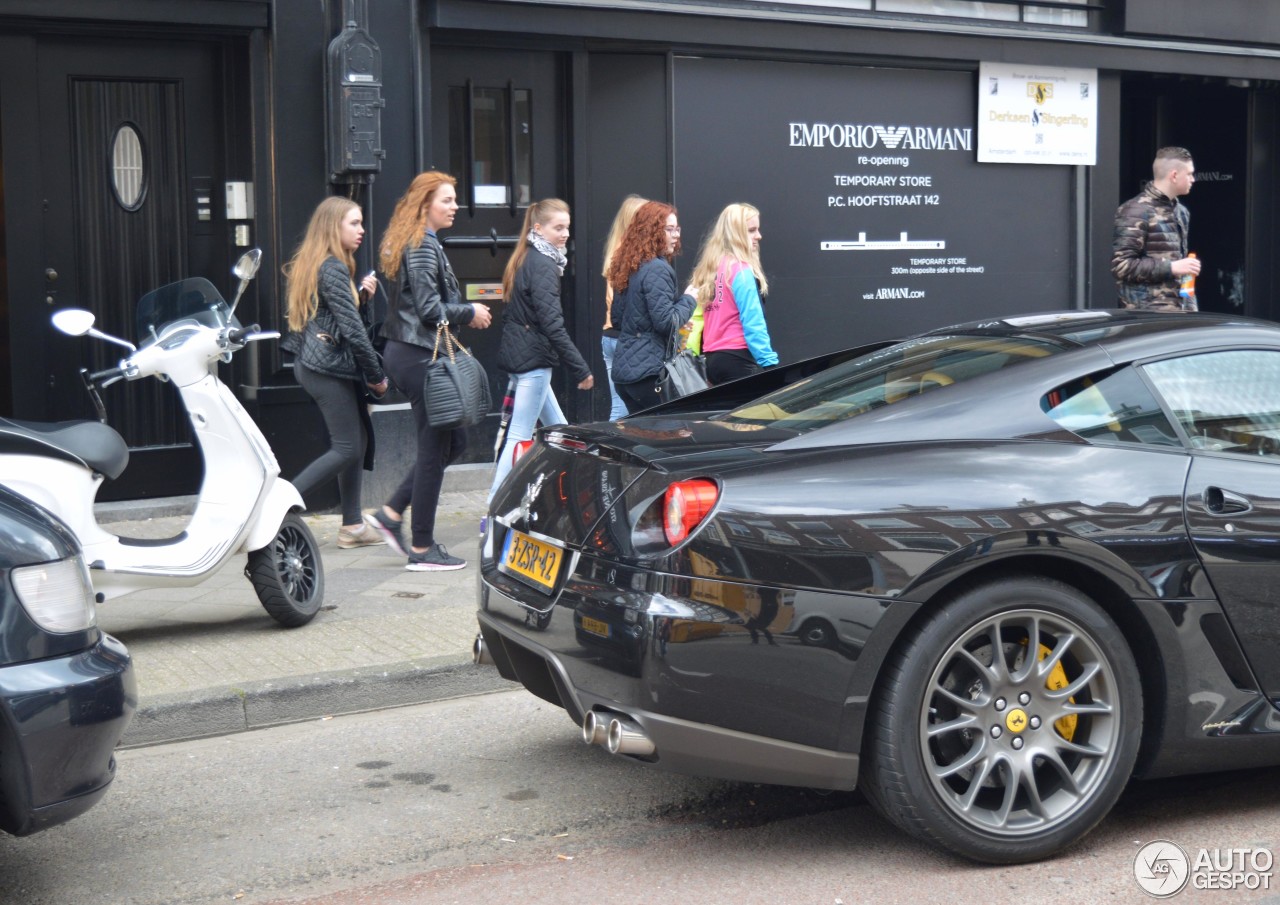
{"x":91,"y":443}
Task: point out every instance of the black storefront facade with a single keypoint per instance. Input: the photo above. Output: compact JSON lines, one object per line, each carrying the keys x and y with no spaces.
{"x":853,"y":126}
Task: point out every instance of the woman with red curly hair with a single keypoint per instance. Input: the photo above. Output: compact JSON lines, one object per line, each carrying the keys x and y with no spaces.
{"x":647,"y":309}
{"x":423,"y":293}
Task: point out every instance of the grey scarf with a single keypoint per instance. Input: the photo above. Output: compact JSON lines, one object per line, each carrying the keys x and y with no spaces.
{"x":542,"y":245}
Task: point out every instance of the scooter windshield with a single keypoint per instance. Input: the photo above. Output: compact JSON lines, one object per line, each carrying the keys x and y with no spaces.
{"x":191,"y":302}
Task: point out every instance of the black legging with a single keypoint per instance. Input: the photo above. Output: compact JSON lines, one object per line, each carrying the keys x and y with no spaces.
{"x":406,"y":365}
{"x":729,"y":364}
{"x":640,"y":395}
{"x":346,"y":418}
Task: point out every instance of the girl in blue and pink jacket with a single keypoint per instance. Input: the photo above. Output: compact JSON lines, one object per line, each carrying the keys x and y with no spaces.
{"x":730,"y":284}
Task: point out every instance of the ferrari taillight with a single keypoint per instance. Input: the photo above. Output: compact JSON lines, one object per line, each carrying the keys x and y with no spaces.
{"x":520,"y":449}
{"x":685,"y":505}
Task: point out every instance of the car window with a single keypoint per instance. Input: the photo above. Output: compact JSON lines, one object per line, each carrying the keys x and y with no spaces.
{"x":1226,"y":401}
{"x":1113,"y":408}
{"x":885,"y":377}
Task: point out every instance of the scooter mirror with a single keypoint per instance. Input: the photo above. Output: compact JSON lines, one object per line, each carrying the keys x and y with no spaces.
{"x":73,"y":321}
{"x":247,"y":267}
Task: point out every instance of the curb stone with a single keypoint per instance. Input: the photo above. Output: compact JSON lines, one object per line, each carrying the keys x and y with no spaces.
{"x":223,"y":711}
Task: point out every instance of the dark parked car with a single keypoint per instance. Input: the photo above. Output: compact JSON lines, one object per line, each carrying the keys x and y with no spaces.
{"x":986,"y":574}
{"x":67,"y":690}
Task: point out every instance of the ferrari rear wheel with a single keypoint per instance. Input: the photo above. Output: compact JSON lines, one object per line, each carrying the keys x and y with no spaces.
{"x":1007,"y":726}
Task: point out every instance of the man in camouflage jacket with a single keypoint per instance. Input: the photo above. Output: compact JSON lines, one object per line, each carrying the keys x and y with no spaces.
{"x":1149,"y":249}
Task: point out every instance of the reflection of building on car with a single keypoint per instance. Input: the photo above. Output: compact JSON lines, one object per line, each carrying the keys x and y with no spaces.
{"x":67,"y":691}
{"x":992,"y":558}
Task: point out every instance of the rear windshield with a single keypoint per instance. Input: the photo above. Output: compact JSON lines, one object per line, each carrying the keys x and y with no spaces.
{"x":885,"y":377}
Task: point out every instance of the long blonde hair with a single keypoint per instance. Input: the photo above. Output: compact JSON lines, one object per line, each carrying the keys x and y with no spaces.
{"x":727,"y":239}
{"x":540,"y":212}
{"x":645,"y":239}
{"x":322,"y":240}
{"x":621,"y":220}
{"x":408,"y":223}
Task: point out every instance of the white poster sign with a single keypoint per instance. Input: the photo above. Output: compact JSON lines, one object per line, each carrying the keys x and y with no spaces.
{"x":1037,"y":114}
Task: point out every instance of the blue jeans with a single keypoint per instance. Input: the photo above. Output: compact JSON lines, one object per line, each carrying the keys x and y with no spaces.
{"x":617,"y":408}
{"x":534,"y":401}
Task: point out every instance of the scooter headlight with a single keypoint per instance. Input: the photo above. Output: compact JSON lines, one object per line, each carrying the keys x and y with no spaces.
{"x":58,"y":596}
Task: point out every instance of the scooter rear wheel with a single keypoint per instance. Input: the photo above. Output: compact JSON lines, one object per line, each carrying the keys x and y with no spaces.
{"x":288,"y":575}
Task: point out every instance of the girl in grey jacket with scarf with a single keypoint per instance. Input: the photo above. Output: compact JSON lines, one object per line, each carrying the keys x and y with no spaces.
{"x":534,"y":339}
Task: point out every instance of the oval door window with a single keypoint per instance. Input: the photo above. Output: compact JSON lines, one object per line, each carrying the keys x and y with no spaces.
{"x":128,"y":175}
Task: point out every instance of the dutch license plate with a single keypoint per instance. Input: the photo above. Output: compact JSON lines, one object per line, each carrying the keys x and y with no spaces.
{"x":595,"y":626}
{"x":533,"y":561}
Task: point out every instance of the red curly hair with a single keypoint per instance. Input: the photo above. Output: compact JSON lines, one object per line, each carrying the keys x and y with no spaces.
{"x":645,"y":239}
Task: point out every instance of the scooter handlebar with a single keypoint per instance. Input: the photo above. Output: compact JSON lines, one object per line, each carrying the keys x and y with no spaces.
{"x":239,"y":335}
{"x":252,"y":333}
{"x":105,"y":377}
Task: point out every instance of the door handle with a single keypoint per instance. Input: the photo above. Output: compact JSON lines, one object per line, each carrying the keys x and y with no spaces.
{"x":1223,"y":502}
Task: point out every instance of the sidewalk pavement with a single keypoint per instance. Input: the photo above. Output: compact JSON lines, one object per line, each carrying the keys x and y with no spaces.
{"x":210,"y":661}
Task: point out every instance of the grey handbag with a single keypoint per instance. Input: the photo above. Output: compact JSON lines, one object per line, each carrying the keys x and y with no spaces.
{"x":455,"y":388}
{"x":682,"y":373}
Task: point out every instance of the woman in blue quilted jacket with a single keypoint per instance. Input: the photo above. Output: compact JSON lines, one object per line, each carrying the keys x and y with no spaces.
{"x":647,"y":308}
{"x":336,"y":361}
{"x":534,"y":339}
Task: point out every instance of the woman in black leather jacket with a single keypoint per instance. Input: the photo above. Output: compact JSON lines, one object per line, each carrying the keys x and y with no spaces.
{"x":423,"y":293}
{"x":336,"y":360}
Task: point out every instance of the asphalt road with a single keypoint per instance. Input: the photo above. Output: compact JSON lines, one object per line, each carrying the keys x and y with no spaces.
{"x":494,"y":798}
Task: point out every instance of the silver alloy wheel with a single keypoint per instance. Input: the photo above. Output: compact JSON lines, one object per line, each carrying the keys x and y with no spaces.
{"x":1016,"y":740}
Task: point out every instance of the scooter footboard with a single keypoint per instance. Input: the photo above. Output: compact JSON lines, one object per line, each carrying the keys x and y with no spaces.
{"x":282,"y":498}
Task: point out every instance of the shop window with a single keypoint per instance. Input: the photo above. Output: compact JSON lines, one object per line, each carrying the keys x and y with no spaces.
{"x":1057,"y":12}
{"x":491,"y":145}
{"x":128,"y":174}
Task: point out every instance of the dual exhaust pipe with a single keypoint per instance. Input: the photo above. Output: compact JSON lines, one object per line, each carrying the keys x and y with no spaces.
{"x":617,"y":733}
{"x":614,"y":731}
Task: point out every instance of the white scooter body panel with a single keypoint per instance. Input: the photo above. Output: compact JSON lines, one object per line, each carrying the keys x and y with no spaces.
{"x":242,"y":500}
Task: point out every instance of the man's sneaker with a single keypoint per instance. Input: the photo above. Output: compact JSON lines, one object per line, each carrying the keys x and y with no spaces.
{"x":392,"y":531}
{"x":359,"y":536}
{"x":435,"y":559}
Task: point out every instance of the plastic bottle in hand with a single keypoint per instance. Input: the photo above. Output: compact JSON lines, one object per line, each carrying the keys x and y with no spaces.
{"x":1187,"y":283}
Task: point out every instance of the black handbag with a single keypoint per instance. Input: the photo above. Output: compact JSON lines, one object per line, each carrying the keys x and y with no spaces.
{"x":324,"y":351}
{"x":682,"y":373}
{"x":455,"y":388}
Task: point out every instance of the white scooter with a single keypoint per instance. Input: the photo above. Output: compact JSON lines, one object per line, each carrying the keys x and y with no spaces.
{"x":244,"y":508}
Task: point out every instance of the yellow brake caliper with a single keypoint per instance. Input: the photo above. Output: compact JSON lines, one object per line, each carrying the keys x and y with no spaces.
{"x":1057,"y":680}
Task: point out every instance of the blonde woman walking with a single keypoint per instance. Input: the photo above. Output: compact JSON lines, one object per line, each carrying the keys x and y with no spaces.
{"x":336,"y":361}
{"x":609,"y":341}
{"x":534,"y":339}
{"x":730,"y":287}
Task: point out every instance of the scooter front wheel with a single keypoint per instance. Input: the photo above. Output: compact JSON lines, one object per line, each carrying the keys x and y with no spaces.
{"x":288,"y":575}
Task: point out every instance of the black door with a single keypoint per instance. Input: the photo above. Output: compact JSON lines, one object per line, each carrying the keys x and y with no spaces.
{"x":1233,"y":508}
{"x":1211,"y":122}
{"x":131,"y":148}
{"x":499,"y":128}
